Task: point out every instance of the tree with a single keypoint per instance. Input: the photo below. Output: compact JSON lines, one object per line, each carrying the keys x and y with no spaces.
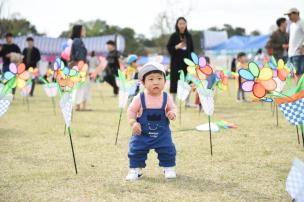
{"x":3,"y":8}
{"x":234,"y":31}
{"x":14,"y":23}
{"x":99,"y":27}
{"x":161,"y":29}
{"x":196,"y":37}
{"x":214,"y":28}
{"x":255,"y":33}
{"x":18,"y":27}
{"x":230,"y":30}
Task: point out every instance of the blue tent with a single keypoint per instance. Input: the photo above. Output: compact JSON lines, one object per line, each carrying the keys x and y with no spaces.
{"x":144,"y":59}
{"x":241,"y":43}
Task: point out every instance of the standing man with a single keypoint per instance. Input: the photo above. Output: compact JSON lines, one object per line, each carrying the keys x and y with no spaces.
{"x":8,"y":48}
{"x":279,"y":40}
{"x":296,"y":40}
{"x":31,"y":57}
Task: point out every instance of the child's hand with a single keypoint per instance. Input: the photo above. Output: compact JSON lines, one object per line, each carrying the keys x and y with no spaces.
{"x":136,"y":128}
{"x":171,"y":115}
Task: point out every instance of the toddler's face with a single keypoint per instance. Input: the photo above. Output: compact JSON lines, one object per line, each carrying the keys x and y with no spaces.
{"x":154,"y":83}
{"x":243,"y":59}
{"x":134,"y":64}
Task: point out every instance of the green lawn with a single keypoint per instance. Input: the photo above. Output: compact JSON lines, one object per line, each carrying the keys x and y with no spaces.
{"x":250,"y":163}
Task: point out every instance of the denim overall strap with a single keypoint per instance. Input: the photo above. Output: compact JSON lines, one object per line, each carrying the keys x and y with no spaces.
{"x":142,"y":99}
{"x":165,"y":98}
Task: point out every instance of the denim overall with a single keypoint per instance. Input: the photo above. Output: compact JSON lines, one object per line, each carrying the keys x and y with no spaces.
{"x":156,"y":134}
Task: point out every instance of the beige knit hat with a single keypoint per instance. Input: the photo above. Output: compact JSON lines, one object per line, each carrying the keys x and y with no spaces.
{"x":149,"y":67}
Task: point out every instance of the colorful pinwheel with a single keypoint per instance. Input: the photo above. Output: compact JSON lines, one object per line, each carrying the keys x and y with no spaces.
{"x":34,"y":72}
{"x":25,"y":91}
{"x":259,"y":81}
{"x":67,"y":79}
{"x":83,"y":69}
{"x":66,"y":49}
{"x":16,"y":76}
{"x":222,"y":80}
{"x":5,"y":99}
{"x":65,"y":76}
{"x":198,"y":66}
{"x":57,"y":68}
{"x":282,"y":71}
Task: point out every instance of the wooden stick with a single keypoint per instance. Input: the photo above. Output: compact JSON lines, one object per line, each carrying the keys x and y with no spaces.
{"x":180,"y":112}
{"x":74,"y":159}
{"x":302,"y":131}
{"x":298,"y":134}
{"x":118,"y":126}
{"x":27,"y":103}
{"x":54,"y":105}
{"x":277,"y":114}
{"x":210,"y":138}
{"x":199,"y":109}
{"x":64,"y":132}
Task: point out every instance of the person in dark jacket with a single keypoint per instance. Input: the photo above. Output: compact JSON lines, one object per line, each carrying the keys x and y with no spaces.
{"x":8,"y":48}
{"x":79,"y":53}
{"x":6,"y":51}
{"x":31,"y":58}
{"x":78,"y":50}
{"x":180,"y":46}
{"x":113,"y":59}
{"x":279,"y":40}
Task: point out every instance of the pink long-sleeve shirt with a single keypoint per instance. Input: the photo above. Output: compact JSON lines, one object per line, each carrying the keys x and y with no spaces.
{"x":135,"y":108}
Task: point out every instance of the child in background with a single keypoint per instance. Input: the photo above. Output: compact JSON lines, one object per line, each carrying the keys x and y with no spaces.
{"x":149,"y":115}
{"x":131,"y":70}
{"x":93,"y":62}
{"x":132,"y":75}
{"x":242,"y":63}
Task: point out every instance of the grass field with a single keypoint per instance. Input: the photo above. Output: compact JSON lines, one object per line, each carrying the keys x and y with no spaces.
{"x":250,"y":163}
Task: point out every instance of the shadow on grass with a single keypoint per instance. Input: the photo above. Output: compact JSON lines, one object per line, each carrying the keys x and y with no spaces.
{"x":183,"y":182}
{"x":184,"y":130}
{"x":106,"y":111}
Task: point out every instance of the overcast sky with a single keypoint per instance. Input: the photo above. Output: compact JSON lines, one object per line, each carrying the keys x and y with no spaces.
{"x":54,"y":16}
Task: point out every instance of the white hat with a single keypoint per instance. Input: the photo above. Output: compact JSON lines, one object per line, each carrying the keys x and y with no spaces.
{"x":149,"y":67}
{"x":292,"y":10}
